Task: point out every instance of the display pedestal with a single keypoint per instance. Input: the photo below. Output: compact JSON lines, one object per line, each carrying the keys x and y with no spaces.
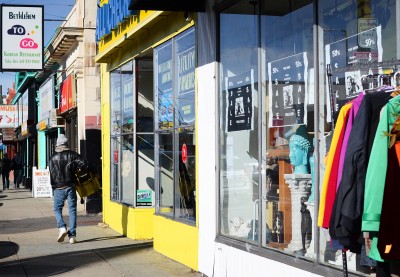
{"x":310,"y":250}
{"x":300,"y":186}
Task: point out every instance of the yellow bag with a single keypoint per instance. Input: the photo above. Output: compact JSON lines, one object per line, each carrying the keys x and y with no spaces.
{"x":86,"y":183}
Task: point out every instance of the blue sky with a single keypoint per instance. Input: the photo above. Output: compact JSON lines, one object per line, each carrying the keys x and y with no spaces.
{"x":53,"y":10}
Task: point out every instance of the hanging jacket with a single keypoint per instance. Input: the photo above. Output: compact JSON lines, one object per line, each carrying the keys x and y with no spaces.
{"x":345,"y":223}
{"x":376,"y":173}
{"x":389,"y":229}
{"x":332,"y":159}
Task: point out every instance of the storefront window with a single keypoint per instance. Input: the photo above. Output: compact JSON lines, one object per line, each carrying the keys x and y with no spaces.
{"x":267,"y":135}
{"x":175,"y":63}
{"x":266,"y":127}
{"x":239,"y":122}
{"x":132,"y":146}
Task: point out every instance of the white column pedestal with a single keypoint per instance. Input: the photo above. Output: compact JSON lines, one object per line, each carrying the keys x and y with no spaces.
{"x":300,"y":186}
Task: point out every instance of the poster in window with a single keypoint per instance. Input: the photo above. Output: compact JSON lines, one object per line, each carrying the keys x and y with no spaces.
{"x":164,"y":85}
{"x":239,"y":110}
{"x":115,"y":104}
{"x":185,"y":66}
{"x":288,"y":86}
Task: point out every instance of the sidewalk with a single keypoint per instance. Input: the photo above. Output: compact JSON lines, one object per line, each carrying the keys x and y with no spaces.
{"x":28,"y":245}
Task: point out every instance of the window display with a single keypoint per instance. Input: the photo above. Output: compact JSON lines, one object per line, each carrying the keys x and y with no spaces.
{"x":174,"y":67}
{"x":268,"y":183}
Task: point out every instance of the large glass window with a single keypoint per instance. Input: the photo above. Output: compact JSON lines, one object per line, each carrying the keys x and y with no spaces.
{"x":266,"y":98}
{"x":132,"y":143}
{"x":267,"y":108}
{"x":174,"y":68}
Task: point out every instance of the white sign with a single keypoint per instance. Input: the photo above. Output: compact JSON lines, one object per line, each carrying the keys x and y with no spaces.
{"x":41,"y":183}
{"x":22,"y":37}
{"x":8,"y":115}
{"x":367,"y":35}
{"x":46,"y":98}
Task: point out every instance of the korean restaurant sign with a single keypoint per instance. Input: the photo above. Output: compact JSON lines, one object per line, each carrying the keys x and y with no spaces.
{"x":8,"y":114}
{"x":22,"y":38}
{"x":68,"y":94}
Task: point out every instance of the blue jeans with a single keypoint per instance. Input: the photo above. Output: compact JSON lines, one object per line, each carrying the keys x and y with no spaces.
{"x":60,"y":195}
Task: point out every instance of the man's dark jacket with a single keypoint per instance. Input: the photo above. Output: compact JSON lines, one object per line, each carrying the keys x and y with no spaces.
{"x":62,"y":166}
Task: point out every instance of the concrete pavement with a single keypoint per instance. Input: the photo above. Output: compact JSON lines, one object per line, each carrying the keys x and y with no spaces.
{"x":29,"y":247}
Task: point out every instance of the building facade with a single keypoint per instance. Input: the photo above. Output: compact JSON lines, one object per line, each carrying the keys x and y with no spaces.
{"x":205,"y":106}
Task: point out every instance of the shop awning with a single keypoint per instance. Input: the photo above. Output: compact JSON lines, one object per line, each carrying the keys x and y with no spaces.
{"x":168,"y":5}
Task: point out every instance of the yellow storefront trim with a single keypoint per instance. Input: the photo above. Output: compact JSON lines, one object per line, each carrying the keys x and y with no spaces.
{"x":177,"y":241}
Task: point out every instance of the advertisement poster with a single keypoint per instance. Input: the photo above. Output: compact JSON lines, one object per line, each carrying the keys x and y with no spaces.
{"x":41,"y":183}
{"x":115,"y":104}
{"x":186,"y":65}
{"x":288,"y":86}
{"x":8,"y":116}
{"x":164,"y":85}
{"x":239,"y":108}
{"x":143,"y":197}
{"x":128,"y":104}
{"x":349,"y":60}
{"x":22,"y":37}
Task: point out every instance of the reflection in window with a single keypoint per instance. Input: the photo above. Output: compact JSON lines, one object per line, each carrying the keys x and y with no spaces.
{"x":254,"y":194}
{"x":175,"y":63}
{"x":132,"y":149}
{"x":239,"y":182}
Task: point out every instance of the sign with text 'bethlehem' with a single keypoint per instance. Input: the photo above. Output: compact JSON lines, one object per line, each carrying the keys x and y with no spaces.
{"x":22,"y":38}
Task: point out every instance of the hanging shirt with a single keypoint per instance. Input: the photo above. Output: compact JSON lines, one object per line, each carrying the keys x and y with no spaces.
{"x":326,"y":197}
{"x":353,"y":113}
{"x":345,"y":223}
{"x":376,"y":174}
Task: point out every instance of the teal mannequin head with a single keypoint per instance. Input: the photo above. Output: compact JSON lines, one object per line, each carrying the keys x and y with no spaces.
{"x":300,"y":147}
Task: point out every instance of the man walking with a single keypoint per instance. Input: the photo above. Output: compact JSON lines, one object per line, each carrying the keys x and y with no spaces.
{"x":5,"y":171}
{"x":17,"y":166}
{"x":62,"y":166}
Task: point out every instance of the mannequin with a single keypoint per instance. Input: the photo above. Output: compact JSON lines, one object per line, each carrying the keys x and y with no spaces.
{"x":299,"y":147}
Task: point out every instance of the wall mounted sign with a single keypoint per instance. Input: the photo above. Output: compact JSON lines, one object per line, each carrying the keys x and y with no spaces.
{"x":68,"y":94}
{"x":22,"y":38}
{"x":8,"y":115}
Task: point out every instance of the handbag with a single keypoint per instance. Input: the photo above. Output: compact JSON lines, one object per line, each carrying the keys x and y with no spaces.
{"x":86,"y":183}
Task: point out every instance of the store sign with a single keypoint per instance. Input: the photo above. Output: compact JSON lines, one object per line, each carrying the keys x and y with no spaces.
{"x":288,"y":89}
{"x":8,"y":115}
{"x":68,"y":94}
{"x":110,"y":15}
{"x":22,"y":38}
{"x":46,"y":98}
{"x":144,"y":197}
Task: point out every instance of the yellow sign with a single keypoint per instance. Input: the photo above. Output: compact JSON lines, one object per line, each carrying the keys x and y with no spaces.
{"x":42,"y":125}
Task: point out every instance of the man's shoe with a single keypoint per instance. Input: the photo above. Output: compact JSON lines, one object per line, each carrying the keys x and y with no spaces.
{"x":72,"y":240}
{"x":62,"y":234}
